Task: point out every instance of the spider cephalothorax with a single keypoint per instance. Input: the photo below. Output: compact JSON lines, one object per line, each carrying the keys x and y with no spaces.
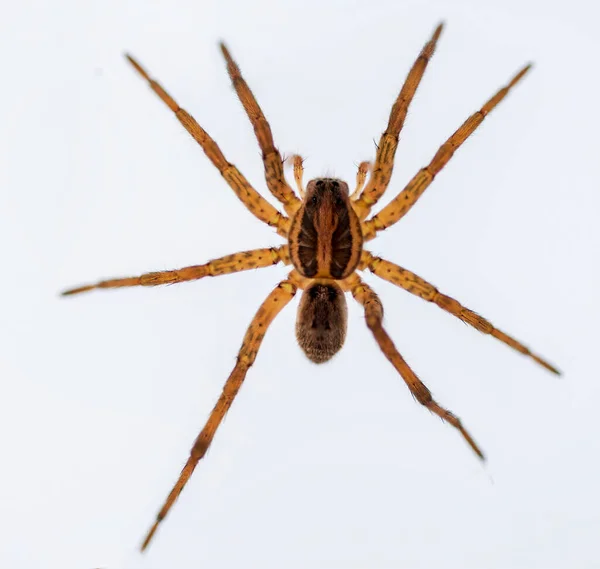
{"x":325,"y":238}
{"x":325,"y":228}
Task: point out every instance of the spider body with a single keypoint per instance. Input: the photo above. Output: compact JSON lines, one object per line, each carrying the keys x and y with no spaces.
{"x":325,"y":243}
{"x":325,"y":228}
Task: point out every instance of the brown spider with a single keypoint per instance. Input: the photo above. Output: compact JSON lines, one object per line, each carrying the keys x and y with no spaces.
{"x":325,"y":229}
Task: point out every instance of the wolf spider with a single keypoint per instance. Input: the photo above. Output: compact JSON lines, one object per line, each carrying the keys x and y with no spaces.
{"x":325,"y":229}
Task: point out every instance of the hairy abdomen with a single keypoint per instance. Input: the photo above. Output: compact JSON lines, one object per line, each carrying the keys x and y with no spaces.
{"x":322,"y":321}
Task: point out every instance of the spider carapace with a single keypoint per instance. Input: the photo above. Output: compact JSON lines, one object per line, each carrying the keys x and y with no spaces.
{"x":325,"y":227}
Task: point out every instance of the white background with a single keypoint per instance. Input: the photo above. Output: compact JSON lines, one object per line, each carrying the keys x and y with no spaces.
{"x":330,"y":466}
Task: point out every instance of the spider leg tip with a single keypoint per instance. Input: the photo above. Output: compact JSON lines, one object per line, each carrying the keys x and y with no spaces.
{"x":555,"y":370}
{"x":77,"y":290}
{"x":224,"y":50}
{"x":136,"y":66}
{"x":438,"y":31}
{"x":547,"y":365}
{"x":523,"y":72}
{"x":148,"y":537}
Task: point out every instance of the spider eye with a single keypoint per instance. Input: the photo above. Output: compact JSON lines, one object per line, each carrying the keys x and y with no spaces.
{"x":313,"y":200}
{"x":339,"y":201}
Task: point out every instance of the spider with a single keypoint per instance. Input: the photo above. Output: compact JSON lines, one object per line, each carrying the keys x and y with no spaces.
{"x":325,"y":228}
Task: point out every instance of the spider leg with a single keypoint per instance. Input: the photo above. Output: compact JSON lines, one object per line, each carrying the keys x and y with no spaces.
{"x":374,"y":315}
{"x":257,"y":205}
{"x":255,"y":259}
{"x":386,"y":150}
{"x":279,"y":297}
{"x":402,"y":203}
{"x":299,"y":174}
{"x":361,"y":176}
{"x":274,"y":176}
{"x":421,"y":288}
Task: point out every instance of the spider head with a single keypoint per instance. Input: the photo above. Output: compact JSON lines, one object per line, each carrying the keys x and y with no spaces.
{"x":322,"y":321}
{"x":326,"y":192}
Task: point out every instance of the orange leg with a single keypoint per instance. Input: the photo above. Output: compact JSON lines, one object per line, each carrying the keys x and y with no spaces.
{"x":402,"y":203}
{"x":257,"y":205}
{"x":256,"y":259}
{"x":274,"y":176}
{"x":386,"y":151}
{"x":374,"y":316}
{"x":421,"y":288}
{"x":281,"y":295}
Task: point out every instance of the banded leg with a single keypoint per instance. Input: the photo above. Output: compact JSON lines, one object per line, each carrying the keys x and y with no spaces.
{"x":361,"y":177}
{"x":402,"y":203}
{"x":298,"y":163}
{"x":255,"y":259}
{"x":274,"y":176}
{"x":386,"y":151}
{"x":257,"y":205}
{"x":374,"y":315}
{"x":421,"y":288}
{"x":279,"y":297}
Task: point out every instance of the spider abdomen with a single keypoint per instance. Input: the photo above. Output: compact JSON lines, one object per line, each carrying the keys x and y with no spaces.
{"x":322,"y":321}
{"x":325,"y":237}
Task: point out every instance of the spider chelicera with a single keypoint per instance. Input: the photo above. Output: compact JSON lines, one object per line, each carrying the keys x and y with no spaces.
{"x":325,"y":228}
